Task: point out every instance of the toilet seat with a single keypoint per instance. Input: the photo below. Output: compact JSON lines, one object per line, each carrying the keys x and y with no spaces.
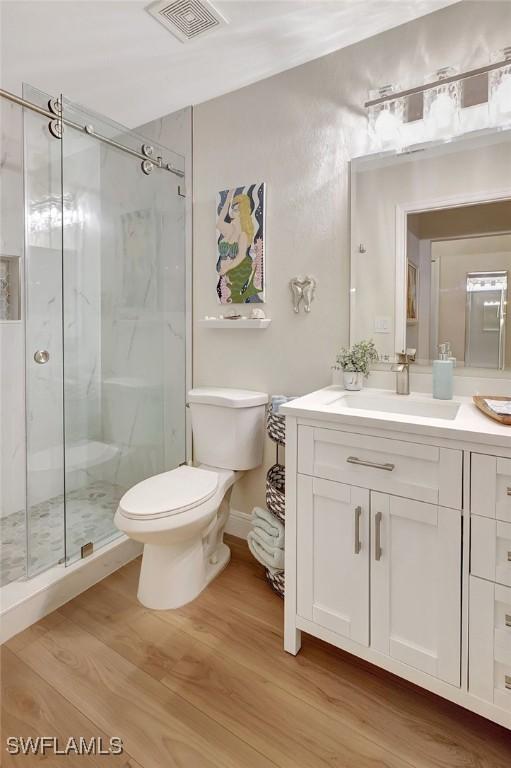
{"x":169,"y":493}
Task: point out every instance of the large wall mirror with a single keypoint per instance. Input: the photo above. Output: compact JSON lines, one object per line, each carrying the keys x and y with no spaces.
{"x":431,"y":251}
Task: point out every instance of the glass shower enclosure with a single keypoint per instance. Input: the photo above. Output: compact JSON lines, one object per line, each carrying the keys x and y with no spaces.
{"x":105,"y":332}
{"x":485,"y":322}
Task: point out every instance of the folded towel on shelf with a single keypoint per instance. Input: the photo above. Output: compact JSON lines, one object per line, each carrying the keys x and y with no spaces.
{"x":278,"y":400}
{"x":270,"y":557}
{"x":269,"y":527}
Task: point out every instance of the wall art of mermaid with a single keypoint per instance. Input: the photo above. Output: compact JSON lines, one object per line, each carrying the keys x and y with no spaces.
{"x":240,"y":245}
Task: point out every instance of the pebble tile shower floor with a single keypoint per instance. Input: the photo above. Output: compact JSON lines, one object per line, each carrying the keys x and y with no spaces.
{"x":89,"y":517}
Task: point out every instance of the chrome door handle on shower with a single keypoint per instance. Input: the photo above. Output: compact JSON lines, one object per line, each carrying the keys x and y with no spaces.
{"x":41,"y":356}
{"x":372,"y":464}
{"x":358,"y":545}
{"x":377,"y":536}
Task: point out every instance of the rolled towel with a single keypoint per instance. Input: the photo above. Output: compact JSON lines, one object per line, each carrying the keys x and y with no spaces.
{"x":269,"y":528}
{"x":270,"y":557}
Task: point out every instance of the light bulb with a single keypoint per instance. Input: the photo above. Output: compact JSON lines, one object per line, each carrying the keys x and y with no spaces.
{"x":385,"y":118}
{"x":387,"y":128}
{"x":503,"y":94}
{"x":443,"y":110}
{"x":499,"y":87}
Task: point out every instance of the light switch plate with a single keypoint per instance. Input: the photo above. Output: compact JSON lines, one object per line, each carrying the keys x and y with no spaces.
{"x":382,"y":324}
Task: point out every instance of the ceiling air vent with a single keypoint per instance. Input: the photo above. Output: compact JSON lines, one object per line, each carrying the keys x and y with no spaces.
{"x":187,"y":19}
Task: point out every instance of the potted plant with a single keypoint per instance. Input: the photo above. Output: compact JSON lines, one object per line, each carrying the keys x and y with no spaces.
{"x":354,"y":363}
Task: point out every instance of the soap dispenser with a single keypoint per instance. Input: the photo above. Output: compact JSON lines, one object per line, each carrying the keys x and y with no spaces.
{"x":443,"y":373}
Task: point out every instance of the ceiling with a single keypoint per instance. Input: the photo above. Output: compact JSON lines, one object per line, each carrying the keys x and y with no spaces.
{"x":114,"y":58}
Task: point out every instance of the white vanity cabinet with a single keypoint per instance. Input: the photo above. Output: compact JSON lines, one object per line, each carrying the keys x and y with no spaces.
{"x":398,"y":550}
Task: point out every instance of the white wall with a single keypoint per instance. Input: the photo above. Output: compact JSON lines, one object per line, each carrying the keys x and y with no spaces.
{"x":296,"y":131}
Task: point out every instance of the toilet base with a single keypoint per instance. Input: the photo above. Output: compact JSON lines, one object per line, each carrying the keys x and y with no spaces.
{"x":223,"y":555}
{"x":173,"y":575}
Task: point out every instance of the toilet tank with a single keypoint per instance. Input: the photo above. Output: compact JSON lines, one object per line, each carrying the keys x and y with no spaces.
{"x":228,"y":426}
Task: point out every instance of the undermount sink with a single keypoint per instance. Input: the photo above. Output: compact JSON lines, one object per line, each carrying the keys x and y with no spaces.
{"x":405,"y":404}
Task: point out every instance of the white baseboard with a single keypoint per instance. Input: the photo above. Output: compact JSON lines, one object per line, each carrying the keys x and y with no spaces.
{"x":238,"y":524}
{"x":22,"y":603}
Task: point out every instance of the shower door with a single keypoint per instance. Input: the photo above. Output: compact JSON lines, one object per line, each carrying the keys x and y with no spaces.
{"x":117,"y":348}
{"x":123,"y":324}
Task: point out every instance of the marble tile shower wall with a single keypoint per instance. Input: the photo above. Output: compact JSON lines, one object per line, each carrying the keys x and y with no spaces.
{"x":82,"y":310}
{"x":175,"y":130}
{"x":12,"y":379}
{"x":12,"y":443}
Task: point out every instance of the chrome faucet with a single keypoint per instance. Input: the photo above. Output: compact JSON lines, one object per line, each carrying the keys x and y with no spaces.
{"x":402,"y":371}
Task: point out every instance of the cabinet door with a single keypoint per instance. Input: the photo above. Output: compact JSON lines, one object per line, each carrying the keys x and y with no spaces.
{"x":491,"y":487}
{"x":416,"y":584}
{"x":333,"y":556}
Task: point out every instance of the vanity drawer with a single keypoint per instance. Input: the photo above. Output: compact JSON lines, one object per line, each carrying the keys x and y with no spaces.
{"x":416,"y":471}
{"x":491,"y":487}
{"x":490,"y":547}
{"x":490,"y":642}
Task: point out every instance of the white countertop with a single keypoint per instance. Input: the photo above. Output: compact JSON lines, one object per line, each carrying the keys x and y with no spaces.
{"x":469,"y":424}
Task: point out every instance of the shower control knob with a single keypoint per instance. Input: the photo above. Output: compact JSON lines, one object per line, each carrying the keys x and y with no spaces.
{"x":41,"y":356}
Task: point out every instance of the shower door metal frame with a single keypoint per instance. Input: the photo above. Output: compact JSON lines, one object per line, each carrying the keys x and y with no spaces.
{"x":57,"y":121}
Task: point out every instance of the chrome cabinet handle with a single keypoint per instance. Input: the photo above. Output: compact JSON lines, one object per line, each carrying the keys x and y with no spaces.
{"x":508,"y":619}
{"x":372,"y":464}
{"x":509,"y":556}
{"x":358,"y":545}
{"x":508,"y":490}
{"x":377,"y":536}
{"x":507,"y":682}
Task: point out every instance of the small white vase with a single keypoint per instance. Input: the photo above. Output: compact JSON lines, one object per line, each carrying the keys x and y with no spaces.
{"x":353,"y":380}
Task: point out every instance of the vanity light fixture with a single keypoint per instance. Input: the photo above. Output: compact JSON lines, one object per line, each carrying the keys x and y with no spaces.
{"x":390,"y":113}
{"x":499,"y":87}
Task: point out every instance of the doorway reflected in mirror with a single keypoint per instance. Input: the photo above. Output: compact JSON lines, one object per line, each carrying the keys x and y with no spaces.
{"x":459,"y":260}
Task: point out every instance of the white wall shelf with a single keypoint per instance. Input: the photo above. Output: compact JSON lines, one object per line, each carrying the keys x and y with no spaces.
{"x":243,"y":323}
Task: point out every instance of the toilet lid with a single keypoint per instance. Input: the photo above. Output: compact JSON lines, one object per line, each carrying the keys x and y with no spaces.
{"x":169,"y":493}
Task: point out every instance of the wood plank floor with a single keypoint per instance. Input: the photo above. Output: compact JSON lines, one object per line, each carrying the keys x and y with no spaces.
{"x":209,"y":685}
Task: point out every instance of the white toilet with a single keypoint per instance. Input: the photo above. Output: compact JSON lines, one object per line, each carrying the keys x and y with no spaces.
{"x":180,"y":516}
